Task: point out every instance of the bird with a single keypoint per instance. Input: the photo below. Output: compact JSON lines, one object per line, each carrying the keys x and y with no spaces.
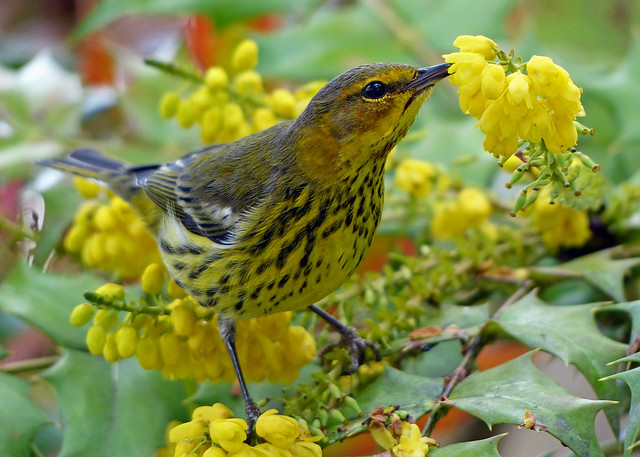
{"x":281,"y":218}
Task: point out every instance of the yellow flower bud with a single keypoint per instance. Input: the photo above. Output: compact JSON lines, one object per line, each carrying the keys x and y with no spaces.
{"x":211,"y":413}
{"x":276,"y":429}
{"x":170,"y":348}
{"x":148,"y":354}
{"x":216,"y":78}
{"x":214,"y":451}
{"x":110,"y":351}
{"x":245,"y":56}
{"x":305,"y":449}
{"x":228,"y":433}
{"x":153,"y":279}
{"x":473,"y":206}
{"x":232,"y":116}
{"x":211,"y":124}
{"x":75,"y":238}
{"x":184,"y":448}
{"x":512,"y":163}
{"x":262,"y":119}
{"x":110,"y":290}
{"x":96,"y":338}
{"x":86,"y":188}
{"x":248,"y":82}
{"x":105,"y":219}
{"x":283,"y":103}
{"x":518,"y":88}
{"x":203,"y":98}
{"x":415,"y":177}
{"x":169,"y":105}
{"x":187,"y":113}
{"x":175,"y":291}
{"x":183,"y":320}
{"x":81,"y":314}
{"x":106,"y":318}
{"x":493,"y":81}
{"x":127,"y":341}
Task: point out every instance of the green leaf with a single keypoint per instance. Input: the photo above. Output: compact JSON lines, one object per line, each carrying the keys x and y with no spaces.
{"x":481,"y":448}
{"x":599,"y":269}
{"x":501,"y":395}
{"x":20,"y":419}
{"x":632,"y":379}
{"x":223,"y":12}
{"x":570,"y":333}
{"x":113,"y":409}
{"x":61,"y":203}
{"x":633,"y":308}
{"x":413,"y":393}
{"x":46,"y":300}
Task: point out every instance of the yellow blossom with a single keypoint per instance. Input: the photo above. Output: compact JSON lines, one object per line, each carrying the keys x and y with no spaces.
{"x":478,"y":44}
{"x":473,"y":206}
{"x":81,"y":314}
{"x":415,"y":177}
{"x":381,"y":435}
{"x":305,"y":449}
{"x":276,"y":429}
{"x":153,"y":279}
{"x":216,"y":78}
{"x":228,"y":433}
{"x":561,"y":225}
{"x":245,"y":56}
{"x":169,"y":105}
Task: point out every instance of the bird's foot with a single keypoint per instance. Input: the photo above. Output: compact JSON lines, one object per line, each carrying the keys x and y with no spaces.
{"x":253,"y":412}
{"x":355,"y":345}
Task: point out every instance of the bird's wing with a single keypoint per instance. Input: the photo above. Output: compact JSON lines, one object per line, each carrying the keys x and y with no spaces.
{"x":209,"y":191}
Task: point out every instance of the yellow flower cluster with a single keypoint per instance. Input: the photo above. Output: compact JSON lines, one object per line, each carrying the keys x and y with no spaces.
{"x":470,"y":209}
{"x":560,"y":225}
{"x":214,"y":432}
{"x":227,"y":108}
{"x":402,"y":438}
{"x":539,"y":105}
{"x":418,"y":178}
{"x":110,"y":235}
{"x":181,"y":338}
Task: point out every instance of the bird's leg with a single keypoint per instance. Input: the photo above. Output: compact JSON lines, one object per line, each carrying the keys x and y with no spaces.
{"x":354,"y":343}
{"x":227,"y":330}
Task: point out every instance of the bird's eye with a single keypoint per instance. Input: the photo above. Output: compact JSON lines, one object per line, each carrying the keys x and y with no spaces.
{"x":375,"y":89}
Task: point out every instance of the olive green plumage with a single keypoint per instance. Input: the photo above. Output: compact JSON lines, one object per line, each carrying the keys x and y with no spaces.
{"x":278,"y":219}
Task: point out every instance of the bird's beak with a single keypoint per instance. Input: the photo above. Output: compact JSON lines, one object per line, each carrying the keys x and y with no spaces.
{"x":428,"y":76}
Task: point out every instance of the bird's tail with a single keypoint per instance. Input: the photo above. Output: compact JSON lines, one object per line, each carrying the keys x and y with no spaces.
{"x":90,"y":164}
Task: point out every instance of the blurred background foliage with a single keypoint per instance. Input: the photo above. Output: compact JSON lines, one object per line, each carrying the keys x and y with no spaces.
{"x":72,"y":74}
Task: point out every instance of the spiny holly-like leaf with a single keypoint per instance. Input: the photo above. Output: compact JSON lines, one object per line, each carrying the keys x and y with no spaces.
{"x":130,"y":407}
{"x":46,"y":300}
{"x":501,"y":395}
{"x":413,"y":393}
{"x":480,"y":448}
{"x":599,"y":269}
{"x":632,"y":378}
{"x":20,"y":419}
{"x":570,"y":333}
{"x":633,"y":308}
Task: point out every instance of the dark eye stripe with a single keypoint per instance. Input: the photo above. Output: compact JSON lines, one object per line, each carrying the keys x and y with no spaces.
{"x":375,"y":89}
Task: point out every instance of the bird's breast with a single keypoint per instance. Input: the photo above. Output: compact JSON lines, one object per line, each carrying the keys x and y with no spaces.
{"x":293,"y":250}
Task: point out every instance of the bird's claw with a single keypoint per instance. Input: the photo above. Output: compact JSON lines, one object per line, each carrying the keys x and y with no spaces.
{"x":355,"y":345}
{"x":253,"y":412}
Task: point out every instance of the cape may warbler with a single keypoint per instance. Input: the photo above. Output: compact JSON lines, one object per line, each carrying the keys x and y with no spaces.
{"x":279,"y":219}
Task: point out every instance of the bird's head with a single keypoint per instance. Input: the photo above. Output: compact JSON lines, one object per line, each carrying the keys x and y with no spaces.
{"x":360,"y":115}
